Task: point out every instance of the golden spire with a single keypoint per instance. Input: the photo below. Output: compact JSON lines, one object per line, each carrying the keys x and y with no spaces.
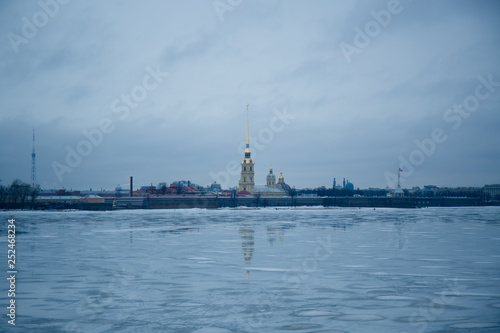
{"x":247,"y":148}
{"x":248,"y":141}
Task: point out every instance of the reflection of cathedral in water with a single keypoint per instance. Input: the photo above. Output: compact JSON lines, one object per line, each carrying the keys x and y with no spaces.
{"x":247,"y":244}
{"x":247,"y":233}
{"x":278,"y":231}
{"x":272,"y":233}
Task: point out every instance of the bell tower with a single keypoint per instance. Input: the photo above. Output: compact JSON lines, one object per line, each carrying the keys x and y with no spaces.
{"x":247,"y":182}
{"x":271,"y":179}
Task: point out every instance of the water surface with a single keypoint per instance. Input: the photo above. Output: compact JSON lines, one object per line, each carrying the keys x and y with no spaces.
{"x":265,"y":270}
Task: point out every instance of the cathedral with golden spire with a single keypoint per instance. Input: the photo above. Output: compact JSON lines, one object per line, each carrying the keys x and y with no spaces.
{"x":247,"y":182}
{"x":247,"y":171}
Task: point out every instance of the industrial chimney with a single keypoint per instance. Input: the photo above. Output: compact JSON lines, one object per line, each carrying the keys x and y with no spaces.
{"x":131,"y":186}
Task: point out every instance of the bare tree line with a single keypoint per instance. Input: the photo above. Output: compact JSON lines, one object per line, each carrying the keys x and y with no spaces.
{"x":18,"y":194}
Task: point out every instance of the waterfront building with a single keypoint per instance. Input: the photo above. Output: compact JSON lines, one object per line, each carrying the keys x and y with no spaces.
{"x":247,"y":182}
{"x":272,"y":189}
{"x":492,"y":190}
{"x":266,"y":191}
{"x":90,"y":198}
{"x":215,"y":187}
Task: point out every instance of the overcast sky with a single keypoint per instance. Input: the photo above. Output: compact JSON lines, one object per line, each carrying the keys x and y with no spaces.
{"x":158,"y":90}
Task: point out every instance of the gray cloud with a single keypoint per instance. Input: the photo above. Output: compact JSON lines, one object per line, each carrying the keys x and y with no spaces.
{"x":351,"y":120}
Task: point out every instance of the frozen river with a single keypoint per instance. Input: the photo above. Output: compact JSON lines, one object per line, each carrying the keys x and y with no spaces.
{"x":266,"y":270}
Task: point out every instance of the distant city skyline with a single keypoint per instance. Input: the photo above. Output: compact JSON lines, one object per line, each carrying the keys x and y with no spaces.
{"x":158,"y":90}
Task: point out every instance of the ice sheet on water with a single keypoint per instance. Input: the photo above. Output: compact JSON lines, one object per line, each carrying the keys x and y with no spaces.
{"x":315,"y":313}
{"x":299,"y":326}
{"x":475,"y":325}
{"x":359,"y":317}
{"x":397,"y":298}
{"x":265,"y":270}
{"x":212,"y":330}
